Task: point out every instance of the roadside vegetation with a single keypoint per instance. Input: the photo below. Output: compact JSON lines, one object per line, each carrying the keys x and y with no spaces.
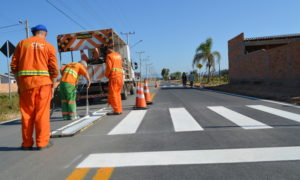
{"x":9,"y":110}
{"x":206,"y":56}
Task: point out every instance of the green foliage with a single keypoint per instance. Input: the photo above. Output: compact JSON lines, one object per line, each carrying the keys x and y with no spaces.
{"x":165,"y":73}
{"x":7,"y":108}
{"x":205,"y":55}
{"x":175,"y":75}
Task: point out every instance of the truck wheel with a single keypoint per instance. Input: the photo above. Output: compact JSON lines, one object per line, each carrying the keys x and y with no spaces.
{"x":125,"y":93}
{"x":131,"y":90}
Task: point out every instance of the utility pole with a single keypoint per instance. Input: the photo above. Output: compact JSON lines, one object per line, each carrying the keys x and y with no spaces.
{"x":27,"y":29}
{"x":140,"y":56}
{"x":7,"y":47}
{"x":127,"y":36}
{"x":148,"y":69}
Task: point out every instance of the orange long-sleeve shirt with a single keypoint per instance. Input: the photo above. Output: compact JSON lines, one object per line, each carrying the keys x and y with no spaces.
{"x":34,"y":62}
{"x":72,"y":71}
{"x":114,"y":68}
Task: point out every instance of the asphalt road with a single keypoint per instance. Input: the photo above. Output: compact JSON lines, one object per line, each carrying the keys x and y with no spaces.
{"x":187,"y":133}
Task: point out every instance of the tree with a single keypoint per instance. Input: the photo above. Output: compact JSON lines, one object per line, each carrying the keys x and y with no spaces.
{"x":175,"y":75}
{"x":165,"y":73}
{"x":205,"y":55}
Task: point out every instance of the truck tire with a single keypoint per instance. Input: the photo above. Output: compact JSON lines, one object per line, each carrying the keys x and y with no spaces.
{"x":124,"y":94}
{"x":131,"y":90}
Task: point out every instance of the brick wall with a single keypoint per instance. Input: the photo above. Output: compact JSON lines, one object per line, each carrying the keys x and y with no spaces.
{"x":279,"y":65}
{"x":4,"y":88}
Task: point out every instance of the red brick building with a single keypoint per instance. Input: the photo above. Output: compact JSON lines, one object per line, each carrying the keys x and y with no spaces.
{"x":273,"y":60}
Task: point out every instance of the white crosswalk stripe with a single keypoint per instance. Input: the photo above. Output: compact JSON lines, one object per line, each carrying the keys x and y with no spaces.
{"x":277,"y":112}
{"x":129,"y":124}
{"x":239,"y":119}
{"x":183,"y":121}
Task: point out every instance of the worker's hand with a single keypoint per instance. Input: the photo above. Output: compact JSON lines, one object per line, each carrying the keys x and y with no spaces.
{"x":88,"y":84}
{"x":52,"y":92}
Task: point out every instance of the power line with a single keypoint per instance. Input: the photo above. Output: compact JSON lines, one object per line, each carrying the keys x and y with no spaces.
{"x":93,"y":12}
{"x":75,"y":13}
{"x":69,"y":17}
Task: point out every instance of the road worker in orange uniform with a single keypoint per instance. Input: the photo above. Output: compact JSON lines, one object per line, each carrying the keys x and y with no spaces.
{"x":70,"y":74}
{"x":114,"y":72}
{"x":34,"y":65}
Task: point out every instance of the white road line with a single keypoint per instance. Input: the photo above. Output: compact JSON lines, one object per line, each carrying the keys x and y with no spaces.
{"x":277,"y":112}
{"x":216,"y":156}
{"x":239,"y":119}
{"x":10,"y":121}
{"x":183,"y":121}
{"x":130,"y":123}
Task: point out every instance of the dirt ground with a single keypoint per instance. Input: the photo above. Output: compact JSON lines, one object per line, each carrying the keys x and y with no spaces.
{"x":285,"y":94}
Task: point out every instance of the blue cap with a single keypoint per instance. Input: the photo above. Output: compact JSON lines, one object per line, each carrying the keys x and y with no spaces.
{"x":39,"y":27}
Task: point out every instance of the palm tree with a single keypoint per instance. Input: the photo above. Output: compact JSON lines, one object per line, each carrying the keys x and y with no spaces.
{"x":204,"y":55}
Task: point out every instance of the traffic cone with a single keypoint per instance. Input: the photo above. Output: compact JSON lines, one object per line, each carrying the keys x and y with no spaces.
{"x":140,"y":98}
{"x":147,"y":93}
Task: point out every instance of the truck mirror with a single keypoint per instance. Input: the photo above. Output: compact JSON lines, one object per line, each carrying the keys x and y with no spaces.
{"x":135,"y":66}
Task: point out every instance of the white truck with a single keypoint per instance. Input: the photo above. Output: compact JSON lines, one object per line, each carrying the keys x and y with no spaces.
{"x":91,"y":45}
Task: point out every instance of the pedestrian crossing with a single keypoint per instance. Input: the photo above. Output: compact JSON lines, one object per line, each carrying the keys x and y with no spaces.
{"x":239,"y":119}
{"x":183,"y":121}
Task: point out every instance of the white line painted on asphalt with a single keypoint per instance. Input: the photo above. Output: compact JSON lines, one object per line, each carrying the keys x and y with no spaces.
{"x":130,"y":123}
{"x":239,"y":119}
{"x":253,"y":98}
{"x":183,"y":121}
{"x":10,"y":121}
{"x":277,"y":112}
{"x":216,"y":156}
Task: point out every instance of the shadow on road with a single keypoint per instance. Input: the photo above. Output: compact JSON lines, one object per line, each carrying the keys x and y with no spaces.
{"x":11,"y":149}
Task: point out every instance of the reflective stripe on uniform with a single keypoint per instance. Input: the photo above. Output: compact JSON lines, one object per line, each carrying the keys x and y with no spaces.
{"x":32,"y":72}
{"x":71,"y":71}
{"x":117,"y":69}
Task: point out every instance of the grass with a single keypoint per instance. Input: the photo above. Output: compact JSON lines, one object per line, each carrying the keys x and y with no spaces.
{"x":214,"y":81}
{"x":9,"y":110}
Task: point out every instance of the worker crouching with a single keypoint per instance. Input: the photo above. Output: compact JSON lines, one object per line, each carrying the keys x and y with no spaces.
{"x":70,"y":74}
{"x":114,"y":72}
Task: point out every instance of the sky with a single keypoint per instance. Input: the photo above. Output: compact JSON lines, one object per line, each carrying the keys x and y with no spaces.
{"x":171,"y":30}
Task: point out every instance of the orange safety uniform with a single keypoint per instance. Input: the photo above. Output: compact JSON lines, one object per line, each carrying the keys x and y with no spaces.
{"x":35,"y":64}
{"x":114,"y":71}
{"x":72,"y":71}
{"x":70,"y":74}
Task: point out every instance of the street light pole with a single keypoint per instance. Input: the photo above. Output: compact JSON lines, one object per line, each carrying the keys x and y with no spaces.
{"x":140,"y":56}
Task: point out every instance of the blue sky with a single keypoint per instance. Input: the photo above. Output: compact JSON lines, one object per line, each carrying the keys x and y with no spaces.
{"x":170,"y":29}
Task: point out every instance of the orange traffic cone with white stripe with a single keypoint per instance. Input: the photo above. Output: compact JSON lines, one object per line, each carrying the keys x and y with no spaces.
{"x":140,"y":98}
{"x":147,"y":93}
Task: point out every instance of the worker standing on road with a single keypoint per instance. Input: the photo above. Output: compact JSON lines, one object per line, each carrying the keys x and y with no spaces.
{"x":34,"y":65}
{"x":191,"y":78}
{"x":70,"y":74}
{"x":114,"y":72}
{"x":184,"y":79}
